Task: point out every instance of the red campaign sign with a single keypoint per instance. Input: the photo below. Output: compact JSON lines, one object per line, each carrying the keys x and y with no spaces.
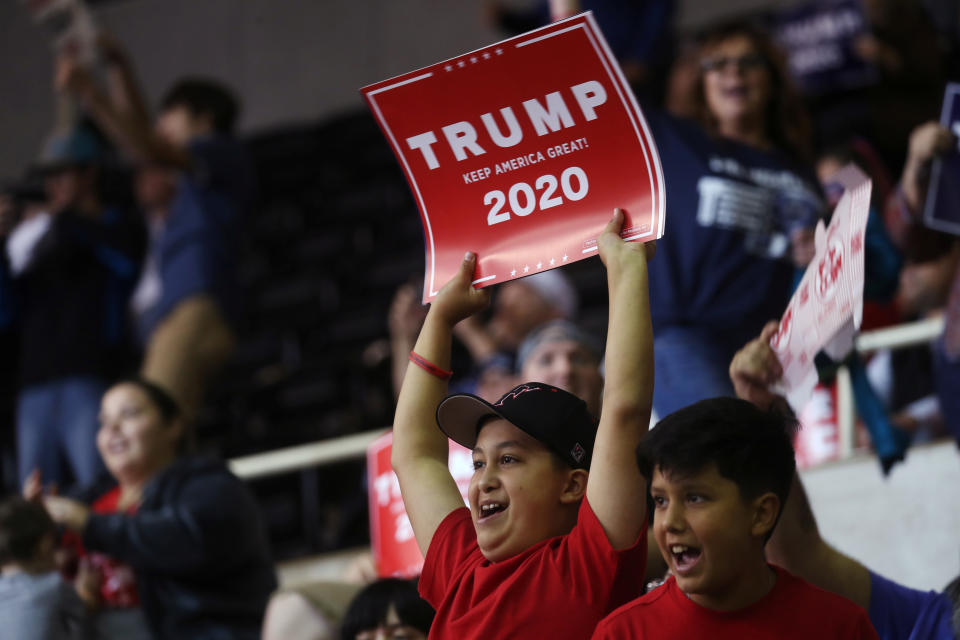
{"x":520,"y":152}
{"x":395,"y":550}
{"x":827,"y":307}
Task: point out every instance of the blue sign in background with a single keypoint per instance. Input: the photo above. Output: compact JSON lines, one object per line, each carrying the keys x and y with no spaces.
{"x":942,"y":210}
{"x":819,"y":37}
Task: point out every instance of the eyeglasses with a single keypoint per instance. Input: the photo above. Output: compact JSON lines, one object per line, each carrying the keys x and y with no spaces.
{"x":746,"y":62}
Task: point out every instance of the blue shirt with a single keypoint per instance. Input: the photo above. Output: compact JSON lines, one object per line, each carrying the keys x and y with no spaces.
{"x":724,"y":260}
{"x":901,"y":613}
{"x":196,"y":252}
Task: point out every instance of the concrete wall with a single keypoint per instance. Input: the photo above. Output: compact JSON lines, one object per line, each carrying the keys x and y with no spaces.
{"x":291,"y":60}
{"x":906,"y":527}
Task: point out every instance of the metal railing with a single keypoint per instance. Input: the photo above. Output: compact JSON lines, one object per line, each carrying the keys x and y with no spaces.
{"x":354,"y":446}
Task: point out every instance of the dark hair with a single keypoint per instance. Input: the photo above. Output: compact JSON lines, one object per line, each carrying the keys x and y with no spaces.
{"x":788,"y":124}
{"x":952,"y":591}
{"x":368,"y":609}
{"x":204,"y":97}
{"x":749,"y":446}
{"x":23,"y":525}
{"x":159,"y":397}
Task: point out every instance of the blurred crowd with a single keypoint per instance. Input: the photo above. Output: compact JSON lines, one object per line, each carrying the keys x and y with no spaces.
{"x":122,"y":298}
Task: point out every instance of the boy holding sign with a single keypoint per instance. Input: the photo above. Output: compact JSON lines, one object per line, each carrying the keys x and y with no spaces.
{"x":541,"y":552}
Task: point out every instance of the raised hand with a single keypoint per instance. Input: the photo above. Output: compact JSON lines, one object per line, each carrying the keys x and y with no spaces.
{"x":72,"y":78}
{"x":755,"y":367}
{"x":458,"y":299}
{"x":928,"y":140}
{"x":614,"y":251}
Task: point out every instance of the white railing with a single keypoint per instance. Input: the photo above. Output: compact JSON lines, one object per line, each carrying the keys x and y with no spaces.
{"x":354,"y":446}
{"x":896,"y":337}
{"x":304,"y":456}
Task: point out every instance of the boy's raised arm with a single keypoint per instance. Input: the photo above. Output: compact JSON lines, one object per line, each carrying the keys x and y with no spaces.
{"x":419,"y":455}
{"x":796,"y":544}
{"x":616,"y":489}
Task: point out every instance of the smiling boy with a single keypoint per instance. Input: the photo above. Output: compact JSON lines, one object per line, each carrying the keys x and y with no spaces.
{"x":541,"y":552}
{"x":720,"y":471}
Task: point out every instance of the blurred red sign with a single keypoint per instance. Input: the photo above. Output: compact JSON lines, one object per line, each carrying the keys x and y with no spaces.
{"x":395,"y":551}
{"x":520,"y":151}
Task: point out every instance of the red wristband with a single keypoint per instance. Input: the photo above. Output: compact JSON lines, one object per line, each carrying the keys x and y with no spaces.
{"x":429,"y":367}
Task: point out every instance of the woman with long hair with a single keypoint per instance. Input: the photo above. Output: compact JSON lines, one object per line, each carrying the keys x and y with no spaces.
{"x":188,"y":528}
{"x":743,"y":201}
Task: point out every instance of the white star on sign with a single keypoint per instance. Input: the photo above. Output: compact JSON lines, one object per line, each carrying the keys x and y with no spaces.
{"x":552,"y":262}
{"x":499,"y":52}
{"x":526,"y":268}
{"x":461,"y":63}
{"x":565,"y":257}
{"x":513,"y":273}
{"x":540,"y":265}
{"x":473,"y":59}
{"x":486,"y":55}
{"x":448,"y":68}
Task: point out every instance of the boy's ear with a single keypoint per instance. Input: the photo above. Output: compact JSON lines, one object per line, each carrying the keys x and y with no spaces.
{"x":575,"y":487}
{"x":765,"y":510}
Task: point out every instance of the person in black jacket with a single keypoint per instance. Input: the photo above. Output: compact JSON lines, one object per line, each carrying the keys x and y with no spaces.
{"x":66,"y":274}
{"x":189,"y":528}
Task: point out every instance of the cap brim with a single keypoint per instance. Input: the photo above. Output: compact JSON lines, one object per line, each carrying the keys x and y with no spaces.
{"x":458,"y":416}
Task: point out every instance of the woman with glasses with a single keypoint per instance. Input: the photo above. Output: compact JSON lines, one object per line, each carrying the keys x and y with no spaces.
{"x":744,"y":201}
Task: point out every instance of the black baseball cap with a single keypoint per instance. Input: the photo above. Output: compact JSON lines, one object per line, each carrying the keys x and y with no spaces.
{"x":556,"y":418}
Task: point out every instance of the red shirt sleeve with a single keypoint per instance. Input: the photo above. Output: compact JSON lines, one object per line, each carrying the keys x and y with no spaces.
{"x":454,"y":542}
{"x":594,"y":561}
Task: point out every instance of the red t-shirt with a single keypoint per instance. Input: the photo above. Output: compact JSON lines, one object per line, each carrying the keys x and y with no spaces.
{"x":792,"y":609}
{"x":118,"y":586}
{"x":558,"y":588}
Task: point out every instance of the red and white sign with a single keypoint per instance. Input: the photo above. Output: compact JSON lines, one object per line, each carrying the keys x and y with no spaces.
{"x":520,"y":152}
{"x":395,"y":550}
{"x":827,"y":307}
{"x":818,"y":440}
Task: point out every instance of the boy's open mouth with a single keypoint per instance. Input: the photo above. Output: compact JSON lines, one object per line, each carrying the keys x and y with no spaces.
{"x":684,"y":558}
{"x":490,"y":509}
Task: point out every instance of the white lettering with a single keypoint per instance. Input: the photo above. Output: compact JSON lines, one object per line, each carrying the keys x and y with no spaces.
{"x":461,"y":136}
{"x":589,"y":95}
{"x":546,"y":120}
{"x":515,"y":134}
{"x":474,"y":176}
{"x":423,"y":142}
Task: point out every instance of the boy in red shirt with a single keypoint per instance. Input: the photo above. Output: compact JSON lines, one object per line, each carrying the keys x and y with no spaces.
{"x":541,"y":552}
{"x":719,"y":472}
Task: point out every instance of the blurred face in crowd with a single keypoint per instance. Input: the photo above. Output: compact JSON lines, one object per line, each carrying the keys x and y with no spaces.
{"x":134,"y":440}
{"x":519,"y":491}
{"x":178,"y":125}
{"x":707,"y":533}
{"x":518,"y":309}
{"x":392,"y":628}
{"x":569,"y":365}
{"x":736,"y":82}
{"x":65,"y":188}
